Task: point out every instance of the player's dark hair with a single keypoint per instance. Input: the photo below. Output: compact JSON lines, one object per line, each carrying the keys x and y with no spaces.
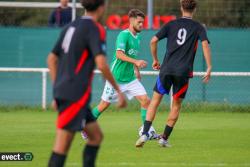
{"x":188,"y":5}
{"x":92,"y":5}
{"x":135,"y":13}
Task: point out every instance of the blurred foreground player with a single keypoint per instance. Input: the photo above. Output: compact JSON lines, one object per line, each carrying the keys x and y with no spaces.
{"x":79,"y":48}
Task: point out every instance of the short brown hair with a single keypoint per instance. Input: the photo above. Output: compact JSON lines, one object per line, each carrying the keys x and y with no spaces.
{"x":92,"y":5}
{"x":188,"y":5}
{"x":135,"y":13}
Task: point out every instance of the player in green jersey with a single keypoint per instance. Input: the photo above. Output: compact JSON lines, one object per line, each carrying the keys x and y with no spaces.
{"x":125,"y":68}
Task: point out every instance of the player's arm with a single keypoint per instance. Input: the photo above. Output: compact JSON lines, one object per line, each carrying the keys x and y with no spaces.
{"x":121,"y":45}
{"x":206,"y":52}
{"x":162,"y":33}
{"x":102,"y":65}
{"x":122,"y":56}
{"x":153,"y":48}
{"x":52,"y":62}
{"x":207,"y":56}
{"x":53,"y":57}
{"x":97,"y":48}
{"x":137,"y":73}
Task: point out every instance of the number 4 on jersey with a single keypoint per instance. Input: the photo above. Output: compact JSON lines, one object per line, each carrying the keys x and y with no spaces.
{"x":67,"y":39}
{"x":182,"y":34}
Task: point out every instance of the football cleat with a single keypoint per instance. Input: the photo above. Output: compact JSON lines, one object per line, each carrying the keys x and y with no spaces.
{"x":164,"y":143}
{"x":140,"y":142}
{"x":84,"y":135}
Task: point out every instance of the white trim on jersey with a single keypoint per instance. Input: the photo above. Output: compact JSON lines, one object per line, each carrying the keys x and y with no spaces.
{"x":86,"y":17}
{"x":113,"y":65}
{"x":120,"y":49}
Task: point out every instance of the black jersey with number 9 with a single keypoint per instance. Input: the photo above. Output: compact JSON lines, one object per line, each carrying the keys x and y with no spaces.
{"x":182,"y":42}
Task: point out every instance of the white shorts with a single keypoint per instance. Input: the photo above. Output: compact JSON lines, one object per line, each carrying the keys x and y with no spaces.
{"x":131,"y":89}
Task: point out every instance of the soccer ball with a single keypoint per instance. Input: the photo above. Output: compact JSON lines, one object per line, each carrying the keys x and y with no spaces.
{"x":152,"y":133}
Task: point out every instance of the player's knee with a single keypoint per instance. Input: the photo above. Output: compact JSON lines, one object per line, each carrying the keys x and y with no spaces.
{"x":96,"y":139}
{"x":145,"y":102}
{"x":175,"y":109}
{"x":99,"y":138}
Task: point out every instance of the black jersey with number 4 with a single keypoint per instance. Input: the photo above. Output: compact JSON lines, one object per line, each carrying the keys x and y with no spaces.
{"x":182,"y":41}
{"x":76,"y":48}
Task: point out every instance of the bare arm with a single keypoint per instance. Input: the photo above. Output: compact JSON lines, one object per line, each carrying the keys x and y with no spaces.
{"x":137,"y":73}
{"x":102,"y":65}
{"x":138,"y":63}
{"x":207,"y":56}
{"x":52,"y":62}
{"x":121,"y":55}
{"x":153,"y":47}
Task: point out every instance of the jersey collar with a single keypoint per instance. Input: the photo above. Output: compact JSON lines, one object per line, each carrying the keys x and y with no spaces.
{"x":87,"y":17}
{"x":185,"y":17}
{"x":135,"y":36}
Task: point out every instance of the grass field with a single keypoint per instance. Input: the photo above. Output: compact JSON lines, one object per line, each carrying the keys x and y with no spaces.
{"x":205,"y":138}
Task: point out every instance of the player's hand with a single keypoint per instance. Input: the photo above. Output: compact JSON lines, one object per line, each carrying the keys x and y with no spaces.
{"x":141,"y":63}
{"x":121,"y":101}
{"x":54,"y":105}
{"x":207,"y":76}
{"x":156,"y":65}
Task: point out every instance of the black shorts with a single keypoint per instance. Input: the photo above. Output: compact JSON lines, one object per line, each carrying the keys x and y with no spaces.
{"x":72,"y":115}
{"x":179,"y":83}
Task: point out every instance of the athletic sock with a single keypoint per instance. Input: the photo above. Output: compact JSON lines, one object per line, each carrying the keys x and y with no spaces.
{"x":143,"y":114}
{"x":146,"y":127}
{"x":96,"y":113}
{"x":167,"y":132}
{"x":56,"y":160}
{"x":89,"y":155}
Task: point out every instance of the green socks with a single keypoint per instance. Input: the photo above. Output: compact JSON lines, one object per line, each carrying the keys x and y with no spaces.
{"x":143,"y":114}
{"x":96,"y":113}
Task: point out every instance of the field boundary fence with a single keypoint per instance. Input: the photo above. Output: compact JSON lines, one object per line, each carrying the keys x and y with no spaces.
{"x":44,"y":77}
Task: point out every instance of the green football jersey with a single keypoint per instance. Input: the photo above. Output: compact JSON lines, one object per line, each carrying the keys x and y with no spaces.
{"x":124,"y":71}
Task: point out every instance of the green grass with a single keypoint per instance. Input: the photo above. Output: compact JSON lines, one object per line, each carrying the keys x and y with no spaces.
{"x":206,"y":139}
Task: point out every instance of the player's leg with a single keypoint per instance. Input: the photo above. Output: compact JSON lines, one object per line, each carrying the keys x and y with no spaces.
{"x":62,"y":144}
{"x":95,"y":138}
{"x":109,"y":96}
{"x":136,"y":89}
{"x":100,"y":108}
{"x":170,"y":122}
{"x":180,"y":86}
{"x":64,"y":134}
{"x":162,"y":87}
{"x":152,"y":108}
{"x":144,"y":102}
{"x":96,"y":112}
{"x":174,"y":112}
